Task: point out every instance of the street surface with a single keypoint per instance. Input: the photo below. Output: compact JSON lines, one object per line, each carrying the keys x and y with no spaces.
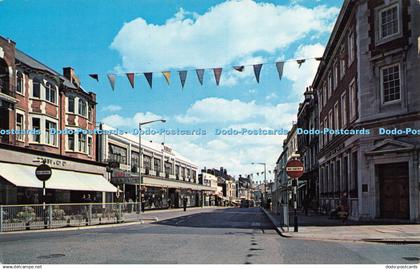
{"x":209,"y":235}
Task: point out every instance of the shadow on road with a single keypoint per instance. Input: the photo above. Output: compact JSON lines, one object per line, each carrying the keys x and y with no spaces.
{"x":238,"y":218}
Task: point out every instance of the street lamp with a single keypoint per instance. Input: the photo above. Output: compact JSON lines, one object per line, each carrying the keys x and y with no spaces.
{"x":140,"y":161}
{"x":265,"y":179}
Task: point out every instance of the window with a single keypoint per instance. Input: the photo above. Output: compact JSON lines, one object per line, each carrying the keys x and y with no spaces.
{"x":116,"y":153}
{"x":147,"y":162}
{"x":36,"y":127}
{"x":82,"y":108}
{"x":157,"y":167}
{"x":177,"y":170}
{"x":134,"y":161}
{"x":70,"y":104}
{"x":335,"y":78}
{"x":324,"y":94}
{"x":390,"y":83}
{"x":19,"y":82}
{"x":194,"y":175}
{"x":354,"y":179}
{"x":320,"y":101}
{"x":168,"y":168}
{"x":342,"y":61}
{"x":82,"y":144}
{"x":343,"y":110}
{"x":19,"y":126}
{"x":90,"y":113}
{"x":89,"y":146}
{"x":352,"y":100}
{"x":70,"y":142}
{"x":50,"y":135}
{"x":325,"y":134}
{"x":36,"y":88}
{"x":389,"y":22}
{"x":183,"y":172}
{"x":330,"y":84}
{"x":330,"y":123}
{"x":336,"y":116}
{"x":351,"y":48}
{"x":50,"y":93}
{"x":321,"y":138}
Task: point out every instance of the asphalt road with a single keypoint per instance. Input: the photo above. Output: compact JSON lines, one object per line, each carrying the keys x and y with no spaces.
{"x":230,"y":235}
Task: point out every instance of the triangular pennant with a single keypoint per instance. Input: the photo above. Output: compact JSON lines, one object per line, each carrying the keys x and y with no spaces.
{"x":182,"y":77}
{"x":257,"y":71}
{"x":239,"y":68}
{"x":167,"y":76}
{"x":217,"y":73}
{"x":111,"y":78}
{"x":280,"y":66}
{"x":300,"y":62}
{"x":149,"y":77}
{"x":130,"y":77}
{"x":200,"y":75}
{"x":94,"y":76}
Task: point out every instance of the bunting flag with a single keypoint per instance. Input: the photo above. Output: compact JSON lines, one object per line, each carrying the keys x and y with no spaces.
{"x":200,"y":75}
{"x":300,"y":62}
{"x":130,"y":77}
{"x":167,"y":75}
{"x":239,"y":68}
{"x":111,"y":78}
{"x":149,"y":77}
{"x":94,"y":76}
{"x":280,"y":66}
{"x":318,"y":59}
{"x":182,"y":77}
{"x":257,"y":71}
{"x":258,"y":174}
{"x":217,"y":73}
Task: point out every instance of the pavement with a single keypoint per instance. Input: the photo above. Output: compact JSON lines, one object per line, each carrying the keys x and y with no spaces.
{"x":199,"y":236}
{"x":320,"y":227}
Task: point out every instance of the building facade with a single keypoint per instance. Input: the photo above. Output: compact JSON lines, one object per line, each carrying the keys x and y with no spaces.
{"x":168,"y":177}
{"x":36,"y":102}
{"x":367,"y":80}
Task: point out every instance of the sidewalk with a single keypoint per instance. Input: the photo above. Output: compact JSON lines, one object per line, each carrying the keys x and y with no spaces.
{"x":319,"y":227}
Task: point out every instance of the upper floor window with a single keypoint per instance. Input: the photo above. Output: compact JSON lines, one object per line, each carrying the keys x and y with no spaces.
{"x":320,"y":101}
{"x":82,"y":145}
{"x":116,"y":153}
{"x":351,"y":48}
{"x":36,"y":126}
{"x":89,"y":146}
{"x":352,"y":100}
{"x":70,"y":141}
{"x":389,"y":21}
{"x":391,"y":83}
{"x":36,"y":88}
{"x":324,"y":94}
{"x":50,"y":135}
{"x":50,"y":93}
{"x":19,"y":126}
{"x":19,"y":82}
{"x":336,"y":116}
{"x":70,"y":104}
{"x":342,"y":62}
{"x":82,"y":108}
{"x":330,"y":84}
{"x":157,"y":166}
{"x":134,"y":161}
{"x":335,"y":78}
{"x":147,"y":162}
{"x":90,"y":113}
{"x":343,"y":110}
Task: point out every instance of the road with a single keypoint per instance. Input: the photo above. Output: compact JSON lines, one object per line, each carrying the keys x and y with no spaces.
{"x":210,"y":235}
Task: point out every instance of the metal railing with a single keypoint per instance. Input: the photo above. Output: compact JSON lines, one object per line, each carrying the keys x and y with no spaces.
{"x":36,"y":216}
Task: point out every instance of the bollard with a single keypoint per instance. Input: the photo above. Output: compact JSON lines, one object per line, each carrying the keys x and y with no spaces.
{"x":1,"y":218}
{"x":50,"y":216}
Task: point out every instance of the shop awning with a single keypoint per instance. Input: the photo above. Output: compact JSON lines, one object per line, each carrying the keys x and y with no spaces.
{"x":24,"y":176}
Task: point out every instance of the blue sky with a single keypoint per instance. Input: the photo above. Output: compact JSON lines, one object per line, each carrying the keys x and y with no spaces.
{"x":153,"y":35}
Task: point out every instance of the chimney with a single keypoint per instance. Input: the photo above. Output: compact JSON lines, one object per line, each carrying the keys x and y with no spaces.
{"x":69,"y":73}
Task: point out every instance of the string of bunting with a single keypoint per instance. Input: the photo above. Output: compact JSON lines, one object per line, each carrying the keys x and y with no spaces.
{"x":217,"y":72}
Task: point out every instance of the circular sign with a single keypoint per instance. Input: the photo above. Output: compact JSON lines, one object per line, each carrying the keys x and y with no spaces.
{"x":43,"y":172}
{"x":294,"y":168}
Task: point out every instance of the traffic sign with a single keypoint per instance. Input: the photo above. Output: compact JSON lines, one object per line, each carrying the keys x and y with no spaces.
{"x":43,"y":172}
{"x":294,"y":168}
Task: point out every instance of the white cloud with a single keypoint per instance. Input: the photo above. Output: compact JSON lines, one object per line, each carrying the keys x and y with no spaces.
{"x":111,"y":108}
{"x":118,"y":121}
{"x":219,"y":110}
{"x":226,"y":33}
{"x":302,"y":77}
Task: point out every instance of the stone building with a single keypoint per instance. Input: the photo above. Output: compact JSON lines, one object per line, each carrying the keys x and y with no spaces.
{"x":368,"y":80}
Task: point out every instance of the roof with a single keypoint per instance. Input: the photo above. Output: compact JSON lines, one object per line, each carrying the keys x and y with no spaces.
{"x":153,"y":146}
{"x":35,"y":64}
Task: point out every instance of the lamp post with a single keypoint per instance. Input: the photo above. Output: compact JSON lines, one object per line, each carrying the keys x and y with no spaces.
{"x":265,"y":180}
{"x":139,"y":198}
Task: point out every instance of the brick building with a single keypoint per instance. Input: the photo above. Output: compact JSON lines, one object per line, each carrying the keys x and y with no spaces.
{"x":35,"y":102}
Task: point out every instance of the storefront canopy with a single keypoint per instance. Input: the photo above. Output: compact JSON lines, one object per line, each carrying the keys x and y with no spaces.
{"x":24,"y":176}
